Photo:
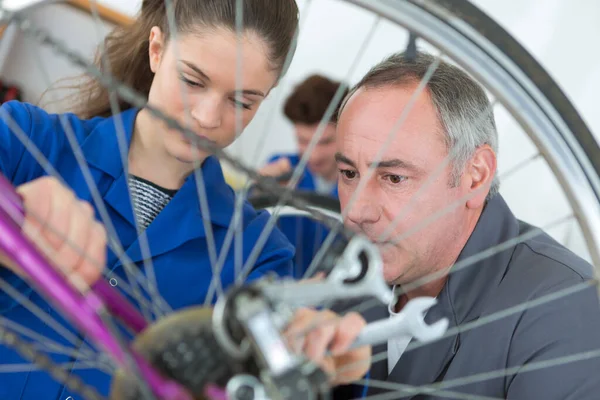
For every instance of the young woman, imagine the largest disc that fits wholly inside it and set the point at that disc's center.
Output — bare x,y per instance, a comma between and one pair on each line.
200,58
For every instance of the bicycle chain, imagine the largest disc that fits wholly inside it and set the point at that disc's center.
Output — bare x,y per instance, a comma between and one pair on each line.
29,352
138,100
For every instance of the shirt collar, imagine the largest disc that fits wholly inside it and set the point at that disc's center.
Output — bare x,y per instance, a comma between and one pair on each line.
103,148
108,139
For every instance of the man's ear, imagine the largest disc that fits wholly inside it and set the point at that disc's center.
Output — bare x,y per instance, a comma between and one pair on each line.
156,47
480,172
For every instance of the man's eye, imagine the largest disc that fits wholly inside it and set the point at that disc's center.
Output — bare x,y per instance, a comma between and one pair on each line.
348,174
395,179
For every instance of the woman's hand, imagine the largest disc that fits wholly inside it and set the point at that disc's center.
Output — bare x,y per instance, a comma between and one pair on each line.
64,229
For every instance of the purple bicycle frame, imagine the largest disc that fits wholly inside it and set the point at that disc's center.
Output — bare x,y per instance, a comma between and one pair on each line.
81,309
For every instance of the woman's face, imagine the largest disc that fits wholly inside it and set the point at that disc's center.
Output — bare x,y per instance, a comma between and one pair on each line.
195,83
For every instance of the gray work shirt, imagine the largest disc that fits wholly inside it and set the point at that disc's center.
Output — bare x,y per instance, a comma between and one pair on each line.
538,343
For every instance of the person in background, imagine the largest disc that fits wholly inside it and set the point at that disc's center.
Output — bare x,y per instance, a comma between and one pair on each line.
305,109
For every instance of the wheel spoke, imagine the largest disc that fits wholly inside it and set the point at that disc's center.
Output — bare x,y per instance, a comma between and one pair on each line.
198,174
399,389
235,237
379,155
270,119
79,365
471,261
48,344
6,288
229,237
298,171
430,180
97,198
151,284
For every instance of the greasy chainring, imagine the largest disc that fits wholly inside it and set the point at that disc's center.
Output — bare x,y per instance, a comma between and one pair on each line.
181,347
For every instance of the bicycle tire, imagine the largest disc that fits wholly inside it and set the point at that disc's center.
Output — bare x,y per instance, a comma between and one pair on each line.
508,45
452,13
462,16
458,13
568,145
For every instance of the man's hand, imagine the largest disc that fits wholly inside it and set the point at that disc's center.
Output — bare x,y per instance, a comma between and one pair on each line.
64,229
324,337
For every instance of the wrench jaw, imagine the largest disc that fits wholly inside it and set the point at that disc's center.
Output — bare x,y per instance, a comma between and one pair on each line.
355,272
360,269
434,332
247,321
410,323
419,329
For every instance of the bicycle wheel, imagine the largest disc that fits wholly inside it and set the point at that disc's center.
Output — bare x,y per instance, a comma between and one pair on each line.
461,32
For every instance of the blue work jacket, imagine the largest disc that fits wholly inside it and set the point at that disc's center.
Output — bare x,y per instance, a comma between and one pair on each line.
177,237
306,235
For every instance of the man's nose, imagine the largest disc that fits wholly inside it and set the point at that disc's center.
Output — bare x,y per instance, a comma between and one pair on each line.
363,207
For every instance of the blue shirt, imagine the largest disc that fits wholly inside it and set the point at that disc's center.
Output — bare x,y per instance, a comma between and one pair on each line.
177,237
305,234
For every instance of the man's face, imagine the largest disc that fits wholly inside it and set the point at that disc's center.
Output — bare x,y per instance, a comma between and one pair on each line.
321,160
415,155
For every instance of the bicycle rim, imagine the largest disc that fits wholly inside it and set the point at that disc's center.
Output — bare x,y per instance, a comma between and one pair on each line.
470,38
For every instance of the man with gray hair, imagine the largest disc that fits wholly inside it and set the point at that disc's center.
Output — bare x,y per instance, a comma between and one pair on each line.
432,203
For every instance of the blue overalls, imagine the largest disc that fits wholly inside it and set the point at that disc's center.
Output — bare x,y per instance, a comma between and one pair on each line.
177,238
305,234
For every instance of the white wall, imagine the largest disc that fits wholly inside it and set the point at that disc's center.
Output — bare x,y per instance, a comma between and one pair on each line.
22,62
557,32
129,7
